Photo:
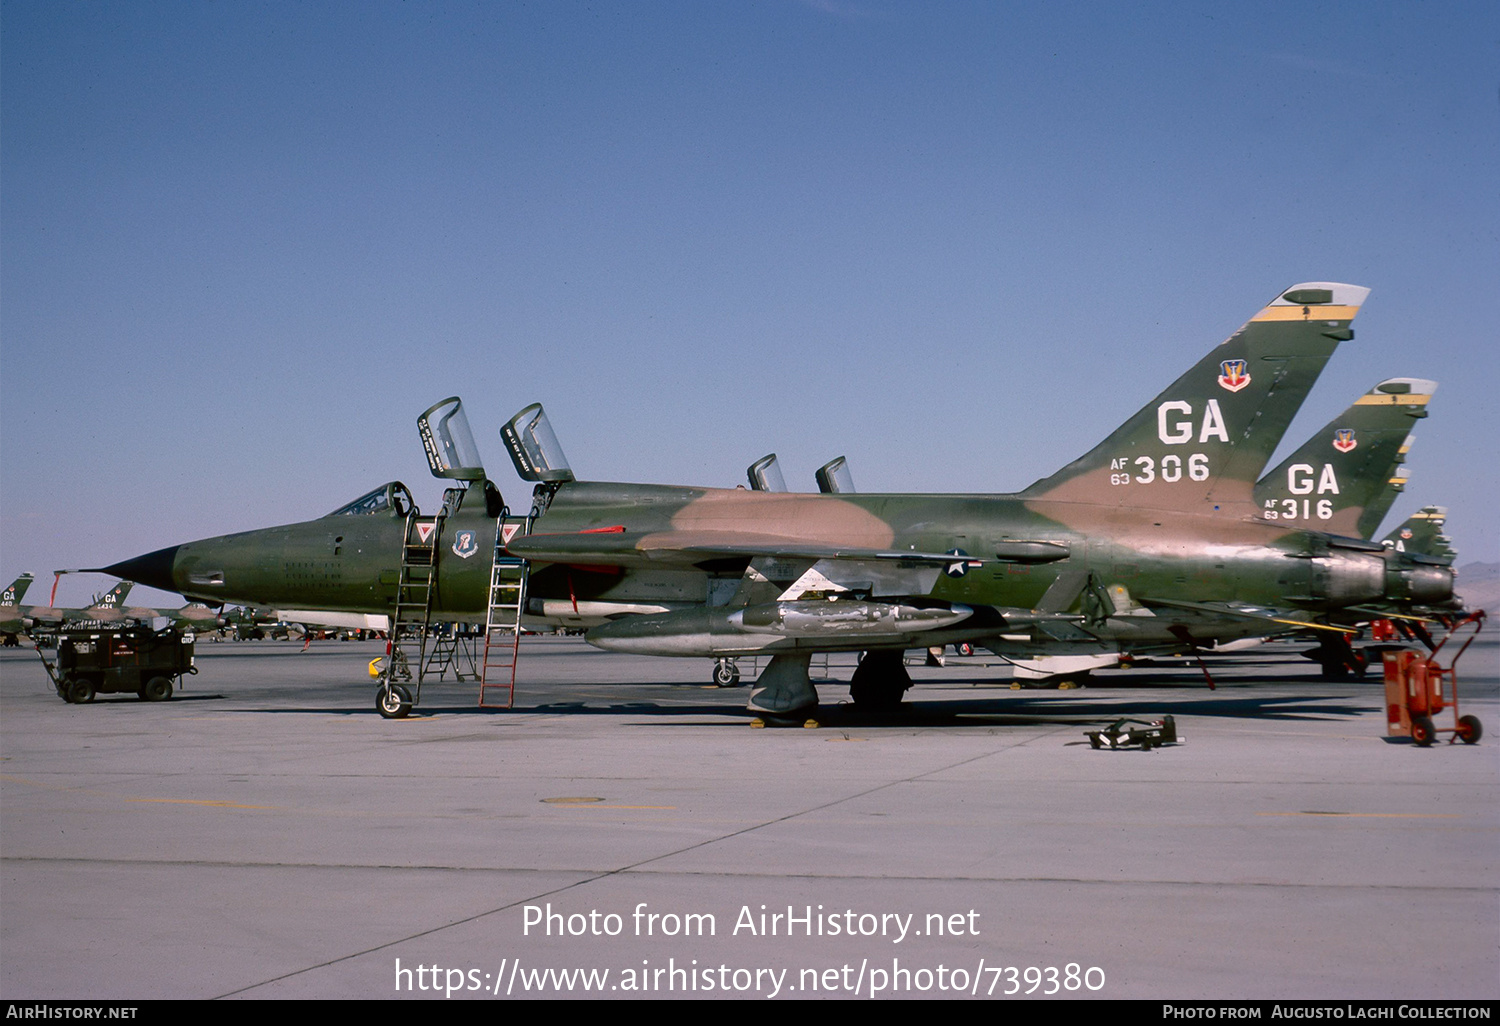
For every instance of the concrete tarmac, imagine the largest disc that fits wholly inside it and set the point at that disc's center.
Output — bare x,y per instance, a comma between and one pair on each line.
623,832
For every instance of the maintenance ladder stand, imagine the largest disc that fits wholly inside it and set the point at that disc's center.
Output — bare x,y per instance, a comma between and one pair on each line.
413,613
412,620
502,625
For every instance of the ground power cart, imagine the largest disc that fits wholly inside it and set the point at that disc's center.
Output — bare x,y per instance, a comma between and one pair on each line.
1418,687
120,661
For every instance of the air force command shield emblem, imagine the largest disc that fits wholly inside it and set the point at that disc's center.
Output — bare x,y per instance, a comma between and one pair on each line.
1233,375
1343,439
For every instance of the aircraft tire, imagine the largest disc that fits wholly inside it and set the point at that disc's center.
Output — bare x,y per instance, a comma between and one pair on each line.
1422,731
876,696
726,675
880,682
963,648
157,689
80,691
1335,671
393,703
1469,729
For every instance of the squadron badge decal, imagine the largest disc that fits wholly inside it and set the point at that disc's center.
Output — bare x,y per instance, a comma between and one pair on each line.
1343,439
465,544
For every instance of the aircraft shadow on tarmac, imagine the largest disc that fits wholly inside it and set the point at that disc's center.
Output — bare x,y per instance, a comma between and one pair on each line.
1009,709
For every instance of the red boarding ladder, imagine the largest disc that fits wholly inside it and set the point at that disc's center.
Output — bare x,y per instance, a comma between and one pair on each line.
502,625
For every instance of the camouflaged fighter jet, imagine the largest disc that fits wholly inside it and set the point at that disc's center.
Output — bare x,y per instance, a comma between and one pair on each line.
107,608
1340,481
111,610
1155,535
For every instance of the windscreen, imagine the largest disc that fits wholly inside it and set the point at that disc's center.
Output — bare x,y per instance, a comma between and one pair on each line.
374,501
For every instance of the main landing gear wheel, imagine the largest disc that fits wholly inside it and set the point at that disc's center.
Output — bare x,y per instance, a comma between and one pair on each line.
880,681
393,702
1422,730
726,674
1355,668
1469,729
1340,660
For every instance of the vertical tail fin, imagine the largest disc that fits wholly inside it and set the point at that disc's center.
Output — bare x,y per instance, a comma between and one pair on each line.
115,597
1339,481
1422,535
13,595
1201,444
1370,519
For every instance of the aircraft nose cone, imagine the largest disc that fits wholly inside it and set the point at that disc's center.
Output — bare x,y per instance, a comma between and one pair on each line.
154,569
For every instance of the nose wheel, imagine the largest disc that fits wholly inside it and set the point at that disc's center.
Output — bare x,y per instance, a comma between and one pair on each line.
393,701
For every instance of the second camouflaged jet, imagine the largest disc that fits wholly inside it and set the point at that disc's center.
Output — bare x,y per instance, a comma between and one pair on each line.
1154,534
1339,481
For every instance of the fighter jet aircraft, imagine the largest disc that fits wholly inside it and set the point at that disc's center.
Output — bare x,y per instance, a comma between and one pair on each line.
106,608
1154,535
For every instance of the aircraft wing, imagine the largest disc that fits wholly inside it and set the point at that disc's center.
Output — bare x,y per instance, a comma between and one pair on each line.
632,548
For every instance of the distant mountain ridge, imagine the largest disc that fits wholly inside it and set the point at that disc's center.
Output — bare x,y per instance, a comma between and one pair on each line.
1479,586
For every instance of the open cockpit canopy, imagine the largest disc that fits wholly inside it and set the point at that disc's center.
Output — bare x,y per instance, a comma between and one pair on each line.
449,443
534,448
765,475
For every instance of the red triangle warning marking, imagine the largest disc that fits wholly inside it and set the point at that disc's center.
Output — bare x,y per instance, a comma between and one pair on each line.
507,532
424,531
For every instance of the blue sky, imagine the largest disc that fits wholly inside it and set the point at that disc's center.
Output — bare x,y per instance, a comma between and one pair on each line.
242,245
